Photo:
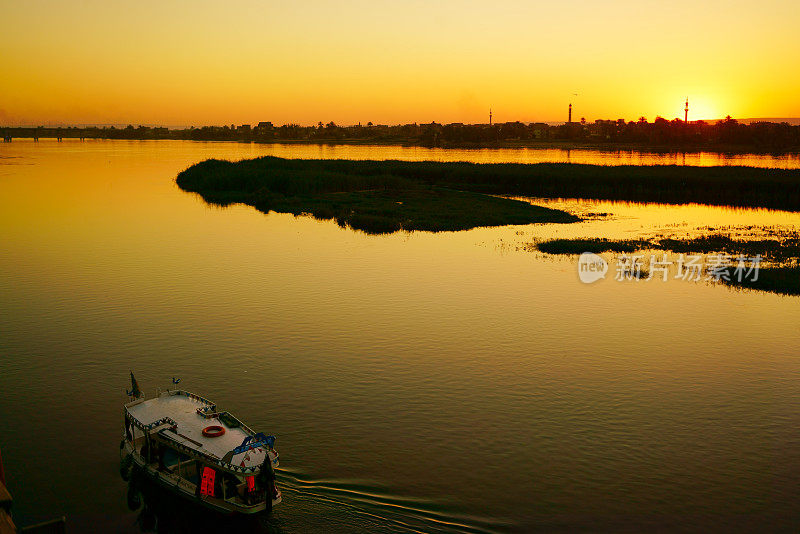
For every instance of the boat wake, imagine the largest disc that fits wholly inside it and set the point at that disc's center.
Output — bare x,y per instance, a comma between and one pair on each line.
399,513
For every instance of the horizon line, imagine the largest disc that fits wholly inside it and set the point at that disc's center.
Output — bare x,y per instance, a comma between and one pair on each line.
124,124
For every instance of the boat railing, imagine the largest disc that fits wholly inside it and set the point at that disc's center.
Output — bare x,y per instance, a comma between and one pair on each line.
195,397
149,426
226,466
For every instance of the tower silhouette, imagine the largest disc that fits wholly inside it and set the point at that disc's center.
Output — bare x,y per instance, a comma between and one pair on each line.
686,111
490,116
570,112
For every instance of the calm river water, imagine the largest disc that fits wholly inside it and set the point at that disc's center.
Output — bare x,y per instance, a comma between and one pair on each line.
451,382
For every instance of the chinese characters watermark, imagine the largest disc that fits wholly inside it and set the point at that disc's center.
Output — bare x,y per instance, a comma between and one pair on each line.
686,267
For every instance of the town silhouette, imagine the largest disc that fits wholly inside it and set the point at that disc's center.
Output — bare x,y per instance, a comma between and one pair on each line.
660,134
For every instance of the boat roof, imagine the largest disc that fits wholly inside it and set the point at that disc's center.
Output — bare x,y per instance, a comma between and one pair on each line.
179,410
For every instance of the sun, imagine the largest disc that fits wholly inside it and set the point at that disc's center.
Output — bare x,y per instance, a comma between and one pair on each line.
702,109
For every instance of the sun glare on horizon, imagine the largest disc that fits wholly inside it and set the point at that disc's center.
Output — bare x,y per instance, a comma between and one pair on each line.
701,108
392,64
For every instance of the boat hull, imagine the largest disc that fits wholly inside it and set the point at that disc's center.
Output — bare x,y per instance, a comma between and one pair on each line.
182,487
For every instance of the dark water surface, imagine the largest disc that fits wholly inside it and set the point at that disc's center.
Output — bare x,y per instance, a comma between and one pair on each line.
445,382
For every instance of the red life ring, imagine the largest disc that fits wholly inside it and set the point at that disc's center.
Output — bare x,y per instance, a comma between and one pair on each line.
213,431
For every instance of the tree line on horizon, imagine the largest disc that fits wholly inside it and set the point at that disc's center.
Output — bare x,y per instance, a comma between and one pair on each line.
727,133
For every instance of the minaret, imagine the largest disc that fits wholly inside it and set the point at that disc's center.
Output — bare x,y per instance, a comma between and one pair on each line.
686,111
490,116
570,112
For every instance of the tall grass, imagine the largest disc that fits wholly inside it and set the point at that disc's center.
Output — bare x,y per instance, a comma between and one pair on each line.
595,245
729,186
367,196
773,249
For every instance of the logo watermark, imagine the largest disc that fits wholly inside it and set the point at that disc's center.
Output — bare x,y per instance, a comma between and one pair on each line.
686,267
591,267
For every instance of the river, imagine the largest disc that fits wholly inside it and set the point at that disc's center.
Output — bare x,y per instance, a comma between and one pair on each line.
449,382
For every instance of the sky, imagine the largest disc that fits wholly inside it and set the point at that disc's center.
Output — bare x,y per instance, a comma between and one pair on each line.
241,62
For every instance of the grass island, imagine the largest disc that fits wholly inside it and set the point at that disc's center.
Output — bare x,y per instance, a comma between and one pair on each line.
386,196
372,196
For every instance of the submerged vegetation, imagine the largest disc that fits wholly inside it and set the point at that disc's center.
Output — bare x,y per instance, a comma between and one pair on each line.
769,249
595,245
782,276
782,280
366,196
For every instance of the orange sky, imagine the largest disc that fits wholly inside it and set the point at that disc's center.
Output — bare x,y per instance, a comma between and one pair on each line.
195,63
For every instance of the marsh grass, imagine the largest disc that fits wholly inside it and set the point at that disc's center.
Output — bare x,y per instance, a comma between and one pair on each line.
772,249
782,280
365,197
311,186
595,245
672,184
783,277
769,249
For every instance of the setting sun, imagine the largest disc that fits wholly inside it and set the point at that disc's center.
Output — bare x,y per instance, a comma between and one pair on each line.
700,109
185,63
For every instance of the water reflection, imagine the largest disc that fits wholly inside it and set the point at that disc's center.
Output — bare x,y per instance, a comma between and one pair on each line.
423,367
159,510
234,150
635,220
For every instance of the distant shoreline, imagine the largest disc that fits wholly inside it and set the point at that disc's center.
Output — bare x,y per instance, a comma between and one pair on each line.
533,145
724,137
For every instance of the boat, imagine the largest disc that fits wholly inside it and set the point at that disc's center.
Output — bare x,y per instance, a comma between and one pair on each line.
182,442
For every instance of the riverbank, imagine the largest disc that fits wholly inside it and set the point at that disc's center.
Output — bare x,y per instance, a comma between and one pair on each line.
723,136
550,144
728,149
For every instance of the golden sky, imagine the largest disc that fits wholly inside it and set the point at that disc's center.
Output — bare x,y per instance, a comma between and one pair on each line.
197,62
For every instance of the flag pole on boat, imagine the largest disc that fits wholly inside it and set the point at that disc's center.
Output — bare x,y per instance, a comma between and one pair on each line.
135,392
175,382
